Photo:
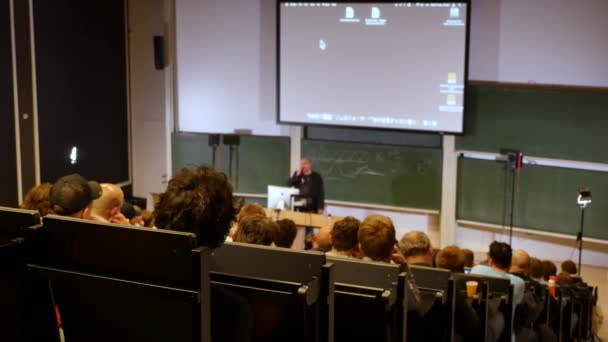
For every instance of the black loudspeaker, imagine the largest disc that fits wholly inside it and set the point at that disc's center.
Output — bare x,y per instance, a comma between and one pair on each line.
232,140
214,139
159,52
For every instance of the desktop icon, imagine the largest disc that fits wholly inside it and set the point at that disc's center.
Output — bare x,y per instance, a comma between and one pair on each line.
350,13
452,78
451,100
454,12
375,13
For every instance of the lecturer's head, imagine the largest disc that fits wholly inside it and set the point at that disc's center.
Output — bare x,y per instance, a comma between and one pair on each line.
306,165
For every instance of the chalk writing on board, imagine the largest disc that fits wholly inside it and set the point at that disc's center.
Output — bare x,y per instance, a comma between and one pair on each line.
344,165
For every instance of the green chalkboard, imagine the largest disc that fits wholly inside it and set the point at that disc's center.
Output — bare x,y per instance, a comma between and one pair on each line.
380,174
257,162
560,124
546,200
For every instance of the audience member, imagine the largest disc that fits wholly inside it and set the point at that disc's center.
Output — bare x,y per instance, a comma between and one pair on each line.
253,209
520,264
247,210
107,207
416,248
128,211
39,199
564,278
286,233
132,214
549,269
466,321
198,201
535,270
138,219
201,201
256,230
569,266
451,258
344,238
533,302
73,196
377,240
148,218
321,241
469,258
499,263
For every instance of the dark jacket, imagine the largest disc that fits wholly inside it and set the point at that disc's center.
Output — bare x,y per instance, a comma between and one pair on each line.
315,190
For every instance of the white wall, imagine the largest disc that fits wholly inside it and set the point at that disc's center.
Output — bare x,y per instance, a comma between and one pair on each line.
148,99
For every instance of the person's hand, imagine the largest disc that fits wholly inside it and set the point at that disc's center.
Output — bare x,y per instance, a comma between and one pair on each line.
119,218
396,256
299,172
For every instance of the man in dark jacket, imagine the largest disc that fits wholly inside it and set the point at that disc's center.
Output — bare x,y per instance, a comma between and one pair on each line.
310,184
311,187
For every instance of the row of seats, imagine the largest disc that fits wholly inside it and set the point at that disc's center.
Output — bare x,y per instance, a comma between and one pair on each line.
105,282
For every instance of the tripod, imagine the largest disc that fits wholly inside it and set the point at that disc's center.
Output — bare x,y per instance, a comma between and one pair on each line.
579,238
583,200
515,161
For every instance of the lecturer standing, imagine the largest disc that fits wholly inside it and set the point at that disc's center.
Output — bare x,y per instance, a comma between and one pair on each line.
310,184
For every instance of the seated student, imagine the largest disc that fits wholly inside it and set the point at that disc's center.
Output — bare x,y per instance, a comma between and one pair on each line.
132,214
469,258
499,262
377,241
201,201
256,230
535,270
73,196
321,241
247,210
533,302
38,199
416,248
466,320
520,263
549,269
286,233
344,238
451,258
148,218
107,207
569,267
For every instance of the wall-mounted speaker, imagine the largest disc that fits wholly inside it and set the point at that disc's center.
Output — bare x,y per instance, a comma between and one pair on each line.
159,52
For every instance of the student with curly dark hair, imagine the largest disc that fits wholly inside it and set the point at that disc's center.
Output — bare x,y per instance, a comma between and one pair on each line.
199,201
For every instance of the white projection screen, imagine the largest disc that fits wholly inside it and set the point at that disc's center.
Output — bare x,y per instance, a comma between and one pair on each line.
383,65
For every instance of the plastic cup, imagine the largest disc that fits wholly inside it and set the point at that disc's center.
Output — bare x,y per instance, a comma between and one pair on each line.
471,288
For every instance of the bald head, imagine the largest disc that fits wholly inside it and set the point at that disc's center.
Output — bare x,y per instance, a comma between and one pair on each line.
322,240
520,262
110,201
